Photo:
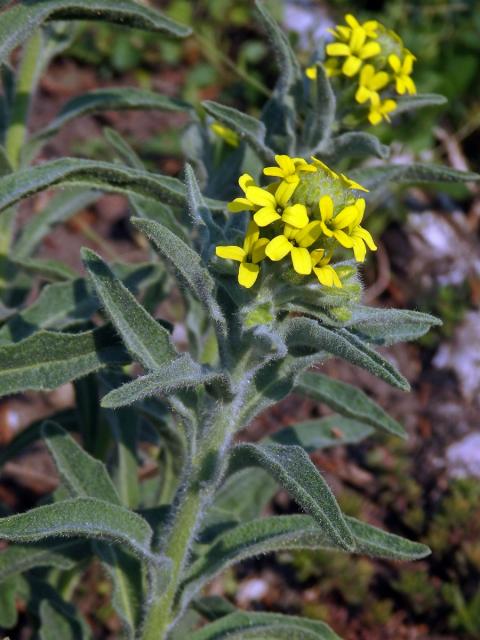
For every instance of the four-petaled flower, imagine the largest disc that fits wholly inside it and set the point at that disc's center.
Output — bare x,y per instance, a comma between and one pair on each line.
324,271
371,82
356,51
252,252
380,110
295,242
271,207
402,70
288,168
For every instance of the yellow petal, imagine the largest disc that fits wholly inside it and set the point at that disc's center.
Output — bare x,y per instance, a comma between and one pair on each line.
341,237
369,50
260,197
362,95
394,62
316,256
246,181
296,216
285,163
309,234
326,208
351,184
345,217
278,248
251,236
324,275
351,65
365,235
338,49
366,74
230,253
407,65
357,39
239,204
248,274
359,249
352,22
258,252
301,261
379,80
400,85
265,216
410,85
285,191
321,165
374,117
275,172
311,72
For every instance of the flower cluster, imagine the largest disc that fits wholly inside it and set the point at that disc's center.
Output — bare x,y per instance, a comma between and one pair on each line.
378,57
303,216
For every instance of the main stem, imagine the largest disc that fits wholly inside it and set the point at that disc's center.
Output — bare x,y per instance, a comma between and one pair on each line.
192,499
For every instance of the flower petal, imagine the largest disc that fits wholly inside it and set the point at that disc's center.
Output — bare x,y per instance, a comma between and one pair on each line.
260,197
369,50
359,249
231,252
285,191
326,208
324,275
394,62
311,72
342,238
246,181
248,274
366,237
301,261
309,234
265,216
240,204
278,248
317,255
345,217
357,39
258,252
275,172
379,80
251,236
351,65
338,49
296,215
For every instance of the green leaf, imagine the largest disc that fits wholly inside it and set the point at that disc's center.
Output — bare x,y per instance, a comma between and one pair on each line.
418,101
20,21
104,176
83,474
347,400
388,326
320,115
375,177
59,621
47,360
80,517
354,144
60,208
124,425
267,535
331,431
305,335
181,373
213,607
111,99
8,604
263,626
144,337
248,128
187,264
46,268
123,149
294,471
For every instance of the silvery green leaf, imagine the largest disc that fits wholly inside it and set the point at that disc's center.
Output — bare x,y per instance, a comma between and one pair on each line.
248,128
47,360
123,149
304,335
181,373
294,471
47,269
60,620
418,101
197,208
60,208
19,21
5,166
124,425
82,474
320,114
8,603
388,326
347,400
264,626
213,607
374,177
313,435
354,144
103,176
80,517
144,337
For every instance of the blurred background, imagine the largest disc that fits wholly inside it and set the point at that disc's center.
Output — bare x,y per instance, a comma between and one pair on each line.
427,488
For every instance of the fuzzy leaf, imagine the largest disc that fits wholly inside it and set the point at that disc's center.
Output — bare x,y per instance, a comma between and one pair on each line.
347,400
354,144
18,23
145,338
59,621
248,128
331,431
80,517
264,626
47,360
321,114
82,474
294,471
8,604
181,373
375,177
60,208
418,101
304,334
103,176
46,268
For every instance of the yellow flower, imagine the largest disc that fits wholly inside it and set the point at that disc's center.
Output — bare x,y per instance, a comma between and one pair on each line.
249,256
243,204
360,236
402,70
274,206
324,271
230,136
355,51
295,242
371,82
311,72
342,32
321,165
351,184
288,168
380,110
333,226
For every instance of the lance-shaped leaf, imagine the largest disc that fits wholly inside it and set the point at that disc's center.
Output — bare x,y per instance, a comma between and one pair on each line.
295,472
347,400
331,431
80,517
248,128
60,619
47,269
82,474
375,177
201,216
187,264
103,176
8,604
47,360
59,553
18,23
354,144
60,208
304,334
321,113
181,373
287,63
112,99
264,626
144,337
388,326
418,101
267,535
